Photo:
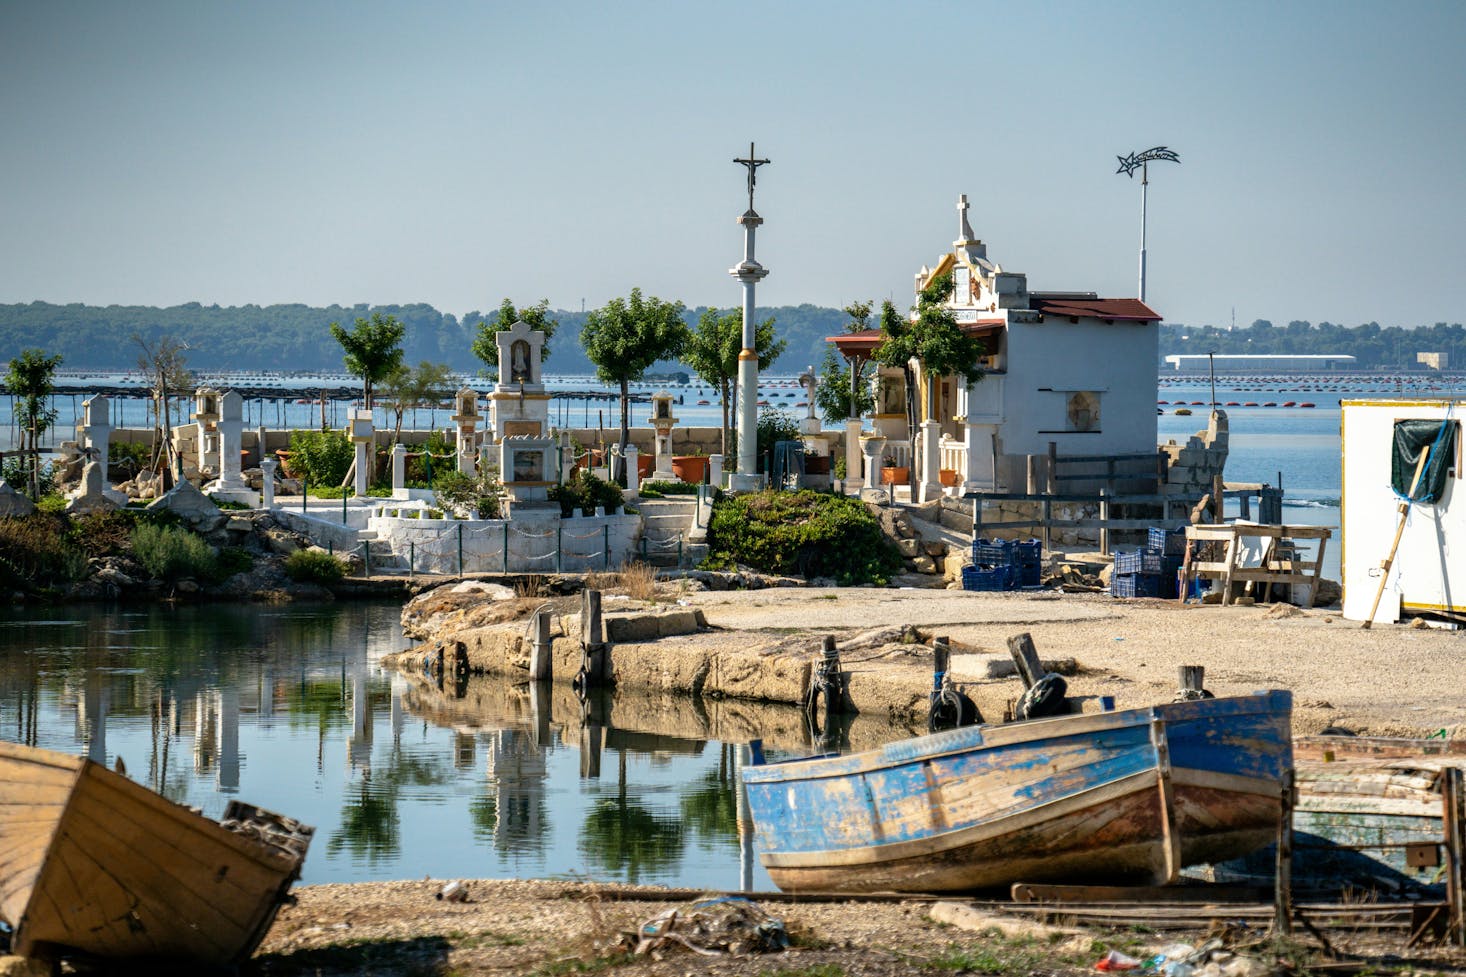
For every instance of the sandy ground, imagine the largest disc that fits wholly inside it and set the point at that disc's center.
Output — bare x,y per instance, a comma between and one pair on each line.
1388,680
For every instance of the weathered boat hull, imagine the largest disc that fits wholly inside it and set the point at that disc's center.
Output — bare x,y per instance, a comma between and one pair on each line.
94,865
1131,795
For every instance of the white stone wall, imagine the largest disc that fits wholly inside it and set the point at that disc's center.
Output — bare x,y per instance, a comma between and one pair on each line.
538,544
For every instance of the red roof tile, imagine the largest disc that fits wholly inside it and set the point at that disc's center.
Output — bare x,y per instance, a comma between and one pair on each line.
1118,310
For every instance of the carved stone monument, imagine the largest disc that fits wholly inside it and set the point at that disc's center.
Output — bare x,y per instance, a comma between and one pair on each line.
518,404
96,429
363,439
467,417
206,417
526,467
662,422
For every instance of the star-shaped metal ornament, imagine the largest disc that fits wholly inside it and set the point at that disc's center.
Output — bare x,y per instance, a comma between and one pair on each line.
1129,164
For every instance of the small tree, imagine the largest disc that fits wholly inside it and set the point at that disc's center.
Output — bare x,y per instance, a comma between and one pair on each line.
712,352
411,386
843,395
31,379
373,350
164,364
535,316
624,338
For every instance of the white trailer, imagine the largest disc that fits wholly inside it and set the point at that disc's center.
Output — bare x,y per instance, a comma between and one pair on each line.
1428,572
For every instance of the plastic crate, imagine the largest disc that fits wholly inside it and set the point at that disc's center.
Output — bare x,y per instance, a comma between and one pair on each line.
1028,552
1171,542
992,552
1027,575
987,578
1146,561
1143,585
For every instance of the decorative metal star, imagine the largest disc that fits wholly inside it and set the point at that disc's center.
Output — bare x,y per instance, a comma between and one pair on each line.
1129,164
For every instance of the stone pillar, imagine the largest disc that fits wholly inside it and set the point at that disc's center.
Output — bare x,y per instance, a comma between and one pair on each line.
874,449
854,468
467,418
97,430
749,273
363,436
262,444
267,483
931,460
633,476
662,423
399,468
231,442
206,417
715,471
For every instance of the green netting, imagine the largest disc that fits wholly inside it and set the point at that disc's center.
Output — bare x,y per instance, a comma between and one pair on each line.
1411,438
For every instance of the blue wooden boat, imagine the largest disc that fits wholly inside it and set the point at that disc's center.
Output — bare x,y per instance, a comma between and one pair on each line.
1117,796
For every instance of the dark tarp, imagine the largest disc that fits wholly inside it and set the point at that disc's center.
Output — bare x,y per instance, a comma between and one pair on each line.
1411,438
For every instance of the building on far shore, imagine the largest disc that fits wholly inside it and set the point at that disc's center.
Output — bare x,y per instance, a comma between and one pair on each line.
1434,361
1259,363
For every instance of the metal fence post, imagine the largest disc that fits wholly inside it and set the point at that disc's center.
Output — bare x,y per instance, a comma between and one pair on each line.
460,551
505,549
679,551
606,546
366,559
411,557
343,507
559,547
305,491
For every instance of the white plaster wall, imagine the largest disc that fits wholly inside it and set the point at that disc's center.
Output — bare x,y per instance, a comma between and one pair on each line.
433,544
1429,562
325,527
1116,359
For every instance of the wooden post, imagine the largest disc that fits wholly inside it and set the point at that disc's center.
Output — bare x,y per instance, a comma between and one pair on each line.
1104,515
1025,656
941,655
1453,804
1033,475
1048,513
595,652
1389,560
1053,473
1283,884
1219,498
540,660
1191,677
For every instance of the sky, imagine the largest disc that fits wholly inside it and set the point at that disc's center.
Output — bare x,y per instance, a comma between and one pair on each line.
158,153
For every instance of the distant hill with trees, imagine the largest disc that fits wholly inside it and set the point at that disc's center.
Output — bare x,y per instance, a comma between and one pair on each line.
297,337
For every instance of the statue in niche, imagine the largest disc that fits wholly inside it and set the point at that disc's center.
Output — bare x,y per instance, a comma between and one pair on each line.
519,361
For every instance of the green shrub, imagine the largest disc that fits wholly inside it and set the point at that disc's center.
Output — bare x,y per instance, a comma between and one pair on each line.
314,566
805,532
104,533
583,491
479,494
322,458
172,553
232,560
38,550
657,489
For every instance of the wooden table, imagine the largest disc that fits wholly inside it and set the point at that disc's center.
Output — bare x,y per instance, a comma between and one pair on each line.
1274,568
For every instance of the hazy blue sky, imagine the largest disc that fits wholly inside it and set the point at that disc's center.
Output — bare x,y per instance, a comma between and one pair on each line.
454,154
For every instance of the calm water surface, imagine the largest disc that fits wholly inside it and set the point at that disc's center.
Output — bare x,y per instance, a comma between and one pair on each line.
286,707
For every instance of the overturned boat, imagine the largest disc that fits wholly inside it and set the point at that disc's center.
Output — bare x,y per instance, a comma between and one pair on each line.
1133,795
93,865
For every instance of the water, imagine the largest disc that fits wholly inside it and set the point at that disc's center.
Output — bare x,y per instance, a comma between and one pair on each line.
286,707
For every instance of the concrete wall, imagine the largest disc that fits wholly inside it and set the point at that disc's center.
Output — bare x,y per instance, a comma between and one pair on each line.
322,528
533,541
1193,465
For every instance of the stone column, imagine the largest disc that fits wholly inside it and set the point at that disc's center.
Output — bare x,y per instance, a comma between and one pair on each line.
262,443
715,471
874,449
267,483
97,430
633,480
231,441
931,460
854,468
399,469
362,438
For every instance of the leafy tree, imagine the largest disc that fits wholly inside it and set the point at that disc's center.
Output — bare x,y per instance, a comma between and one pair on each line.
624,338
31,379
411,386
712,352
164,363
843,394
373,350
535,316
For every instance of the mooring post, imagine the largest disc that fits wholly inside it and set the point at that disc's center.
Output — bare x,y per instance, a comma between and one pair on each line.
1283,884
1191,679
1453,803
1025,656
540,660
595,653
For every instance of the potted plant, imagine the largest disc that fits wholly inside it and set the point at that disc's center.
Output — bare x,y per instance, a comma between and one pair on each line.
894,474
692,468
947,476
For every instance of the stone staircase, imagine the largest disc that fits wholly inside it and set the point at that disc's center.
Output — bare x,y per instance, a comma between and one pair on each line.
666,521
383,558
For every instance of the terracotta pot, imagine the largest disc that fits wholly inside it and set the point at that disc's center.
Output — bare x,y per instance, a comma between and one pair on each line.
947,476
692,469
895,475
645,465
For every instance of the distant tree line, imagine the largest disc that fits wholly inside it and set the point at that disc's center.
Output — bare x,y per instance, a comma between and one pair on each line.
1373,346
289,337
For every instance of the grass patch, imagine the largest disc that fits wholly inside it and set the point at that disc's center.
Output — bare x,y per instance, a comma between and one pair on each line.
1003,958
173,553
576,965
636,580
813,970
314,566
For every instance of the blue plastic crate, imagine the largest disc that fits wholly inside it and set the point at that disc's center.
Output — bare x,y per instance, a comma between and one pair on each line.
1028,552
987,578
1028,575
1146,561
992,552
1143,585
1171,542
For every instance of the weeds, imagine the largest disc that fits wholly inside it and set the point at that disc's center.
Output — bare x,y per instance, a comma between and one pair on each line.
635,579
173,553
531,585
314,566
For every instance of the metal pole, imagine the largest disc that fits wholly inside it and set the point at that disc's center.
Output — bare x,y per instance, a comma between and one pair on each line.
366,559
606,546
1211,367
305,491
559,547
343,507
460,551
1144,184
411,557
505,549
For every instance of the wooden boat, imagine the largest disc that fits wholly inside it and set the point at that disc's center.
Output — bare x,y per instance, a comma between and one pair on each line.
1115,796
93,865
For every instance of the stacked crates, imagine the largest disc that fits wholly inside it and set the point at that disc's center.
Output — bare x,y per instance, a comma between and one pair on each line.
1003,564
1150,571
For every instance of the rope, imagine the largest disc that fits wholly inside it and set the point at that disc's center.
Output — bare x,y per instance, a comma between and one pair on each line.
664,545
545,535
596,534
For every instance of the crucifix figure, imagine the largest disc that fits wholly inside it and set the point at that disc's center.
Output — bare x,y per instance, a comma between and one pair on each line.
753,164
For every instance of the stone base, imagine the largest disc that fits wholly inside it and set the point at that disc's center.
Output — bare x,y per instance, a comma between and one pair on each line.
740,482
878,496
244,495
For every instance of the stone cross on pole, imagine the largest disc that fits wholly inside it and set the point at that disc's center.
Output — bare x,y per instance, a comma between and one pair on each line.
748,272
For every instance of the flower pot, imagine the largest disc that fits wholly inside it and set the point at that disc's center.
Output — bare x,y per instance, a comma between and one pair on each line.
895,475
645,465
947,476
692,469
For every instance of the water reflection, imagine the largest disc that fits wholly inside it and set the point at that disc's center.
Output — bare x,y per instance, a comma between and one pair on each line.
286,707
